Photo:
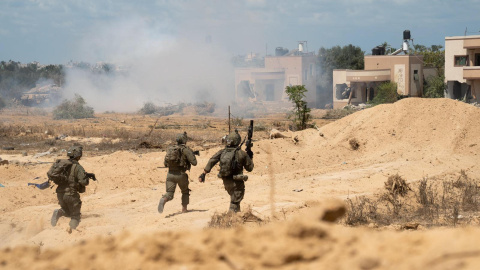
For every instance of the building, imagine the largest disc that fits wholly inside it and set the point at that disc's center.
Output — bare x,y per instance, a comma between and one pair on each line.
358,86
267,84
462,67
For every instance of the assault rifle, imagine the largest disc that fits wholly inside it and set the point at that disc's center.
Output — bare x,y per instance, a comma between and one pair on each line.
248,143
91,176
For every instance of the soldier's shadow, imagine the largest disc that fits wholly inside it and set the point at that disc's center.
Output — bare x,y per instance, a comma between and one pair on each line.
189,211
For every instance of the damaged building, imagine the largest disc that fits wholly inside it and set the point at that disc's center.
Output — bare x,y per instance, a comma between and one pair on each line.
285,68
462,67
359,86
45,95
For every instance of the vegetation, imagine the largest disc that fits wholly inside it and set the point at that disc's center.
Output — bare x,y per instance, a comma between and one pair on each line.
386,93
16,77
148,108
432,202
434,87
301,113
340,113
73,109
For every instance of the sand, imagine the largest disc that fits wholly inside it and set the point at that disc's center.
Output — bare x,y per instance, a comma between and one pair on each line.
121,228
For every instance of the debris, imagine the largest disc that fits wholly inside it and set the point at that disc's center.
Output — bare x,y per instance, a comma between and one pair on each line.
2,185
43,185
275,134
8,148
298,190
148,145
410,226
3,162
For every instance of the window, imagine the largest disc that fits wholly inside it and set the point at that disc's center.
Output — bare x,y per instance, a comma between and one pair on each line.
415,75
305,75
311,69
461,60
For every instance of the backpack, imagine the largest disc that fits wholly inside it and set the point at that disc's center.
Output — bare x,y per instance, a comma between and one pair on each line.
174,156
60,171
228,163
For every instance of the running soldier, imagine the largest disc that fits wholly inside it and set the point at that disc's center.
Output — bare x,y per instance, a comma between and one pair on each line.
71,179
179,159
232,162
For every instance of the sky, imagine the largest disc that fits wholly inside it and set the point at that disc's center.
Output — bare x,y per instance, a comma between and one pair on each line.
179,50
57,31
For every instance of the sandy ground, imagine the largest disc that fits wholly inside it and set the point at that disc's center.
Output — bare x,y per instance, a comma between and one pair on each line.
121,228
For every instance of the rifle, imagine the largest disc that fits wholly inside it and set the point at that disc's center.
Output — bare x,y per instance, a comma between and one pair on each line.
91,176
249,144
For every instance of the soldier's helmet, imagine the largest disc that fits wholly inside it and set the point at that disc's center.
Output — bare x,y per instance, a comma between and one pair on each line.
182,138
233,139
75,152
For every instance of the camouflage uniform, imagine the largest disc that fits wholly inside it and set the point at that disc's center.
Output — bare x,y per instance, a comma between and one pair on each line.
177,175
68,194
235,188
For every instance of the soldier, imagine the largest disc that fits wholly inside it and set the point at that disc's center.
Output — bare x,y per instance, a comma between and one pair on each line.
232,162
68,190
179,159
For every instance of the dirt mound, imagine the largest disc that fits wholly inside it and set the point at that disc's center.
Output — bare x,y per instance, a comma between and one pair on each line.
302,243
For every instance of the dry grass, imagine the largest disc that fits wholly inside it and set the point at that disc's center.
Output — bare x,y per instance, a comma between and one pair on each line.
451,201
231,220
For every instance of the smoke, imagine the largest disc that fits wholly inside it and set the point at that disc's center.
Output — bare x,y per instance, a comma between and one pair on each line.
151,66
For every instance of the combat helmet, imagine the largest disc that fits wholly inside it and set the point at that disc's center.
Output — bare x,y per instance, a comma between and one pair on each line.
75,152
233,139
182,138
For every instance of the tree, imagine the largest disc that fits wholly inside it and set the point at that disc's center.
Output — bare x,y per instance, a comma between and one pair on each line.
435,87
301,112
73,109
346,57
433,56
386,93
2,103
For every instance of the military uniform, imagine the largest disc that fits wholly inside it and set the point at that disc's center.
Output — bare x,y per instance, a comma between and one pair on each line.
235,188
68,194
177,175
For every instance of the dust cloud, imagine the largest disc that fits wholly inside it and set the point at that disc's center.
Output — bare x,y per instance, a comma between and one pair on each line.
150,66
182,54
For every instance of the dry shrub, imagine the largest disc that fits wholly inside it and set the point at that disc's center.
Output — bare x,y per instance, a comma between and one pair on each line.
204,108
396,185
451,201
339,113
361,211
354,143
231,219
237,121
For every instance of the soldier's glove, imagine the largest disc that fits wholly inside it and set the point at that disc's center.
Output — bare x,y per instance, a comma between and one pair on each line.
91,176
196,153
201,178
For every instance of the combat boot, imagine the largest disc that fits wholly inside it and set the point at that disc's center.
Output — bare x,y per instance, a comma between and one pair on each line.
161,204
184,209
73,224
55,216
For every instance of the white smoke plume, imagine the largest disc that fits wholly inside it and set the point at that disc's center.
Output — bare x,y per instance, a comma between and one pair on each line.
155,67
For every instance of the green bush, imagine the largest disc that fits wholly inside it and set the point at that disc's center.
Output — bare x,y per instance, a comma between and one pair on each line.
148,108
435,87
386,93
301,113
73,109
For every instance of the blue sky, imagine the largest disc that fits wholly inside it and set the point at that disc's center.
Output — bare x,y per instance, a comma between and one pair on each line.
56,31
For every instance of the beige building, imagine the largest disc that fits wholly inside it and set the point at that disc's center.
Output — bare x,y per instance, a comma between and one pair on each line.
462,67
358,86
280,71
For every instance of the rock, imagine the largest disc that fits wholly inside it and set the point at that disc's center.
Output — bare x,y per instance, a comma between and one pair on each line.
52,150
8,148
24,153
3,162
275,134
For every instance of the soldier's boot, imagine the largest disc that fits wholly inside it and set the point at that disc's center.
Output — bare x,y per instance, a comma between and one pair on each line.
184,209
55,216
73,224
161,204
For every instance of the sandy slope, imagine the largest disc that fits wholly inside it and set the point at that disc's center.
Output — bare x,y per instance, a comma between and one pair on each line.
412,137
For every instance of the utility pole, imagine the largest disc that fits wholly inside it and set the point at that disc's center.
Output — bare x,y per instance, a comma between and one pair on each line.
229,119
